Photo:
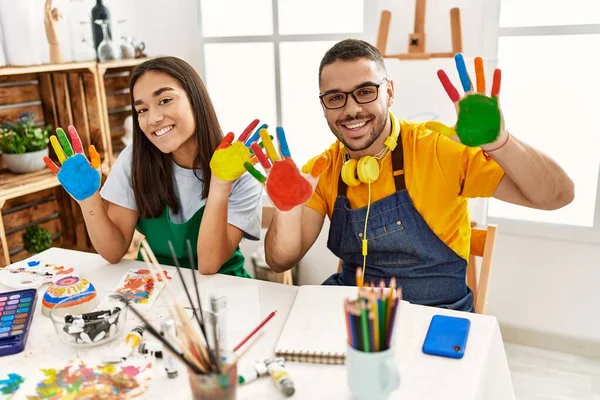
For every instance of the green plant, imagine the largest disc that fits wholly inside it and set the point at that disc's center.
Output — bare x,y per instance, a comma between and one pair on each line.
22,136
37,239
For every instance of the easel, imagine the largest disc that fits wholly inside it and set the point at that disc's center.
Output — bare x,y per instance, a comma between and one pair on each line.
417,39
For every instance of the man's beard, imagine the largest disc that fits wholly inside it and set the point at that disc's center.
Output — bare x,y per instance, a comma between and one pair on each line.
378,127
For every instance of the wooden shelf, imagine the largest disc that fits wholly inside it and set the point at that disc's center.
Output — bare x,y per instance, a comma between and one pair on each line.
131,62
14,185
36,69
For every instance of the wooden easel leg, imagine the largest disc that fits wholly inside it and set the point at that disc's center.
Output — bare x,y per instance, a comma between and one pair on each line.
384,31
455,28
416,40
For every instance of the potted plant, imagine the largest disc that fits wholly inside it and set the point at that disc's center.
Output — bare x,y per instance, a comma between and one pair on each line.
37,239
23,145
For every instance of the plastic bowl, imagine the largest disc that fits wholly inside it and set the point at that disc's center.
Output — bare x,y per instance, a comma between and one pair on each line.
100,325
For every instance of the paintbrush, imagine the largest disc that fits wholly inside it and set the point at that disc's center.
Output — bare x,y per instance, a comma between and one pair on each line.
211,355
192,262
176,261
193,269
187,334
164,341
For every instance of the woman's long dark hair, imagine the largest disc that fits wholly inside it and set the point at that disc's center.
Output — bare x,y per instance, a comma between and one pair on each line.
152,170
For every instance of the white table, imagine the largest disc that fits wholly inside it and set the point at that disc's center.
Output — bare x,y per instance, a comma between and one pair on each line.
481,374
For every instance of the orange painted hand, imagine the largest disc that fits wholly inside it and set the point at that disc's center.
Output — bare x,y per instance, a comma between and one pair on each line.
227,163
286,186
78,176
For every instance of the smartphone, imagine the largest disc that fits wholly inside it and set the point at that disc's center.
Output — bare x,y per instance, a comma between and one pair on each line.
447,336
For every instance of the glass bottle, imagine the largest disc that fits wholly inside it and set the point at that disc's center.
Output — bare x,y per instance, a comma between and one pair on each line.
100,12
107,49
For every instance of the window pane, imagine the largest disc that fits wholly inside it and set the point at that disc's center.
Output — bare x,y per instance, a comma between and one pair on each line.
237,98
548,100
548,13
306,128
236,17
318,16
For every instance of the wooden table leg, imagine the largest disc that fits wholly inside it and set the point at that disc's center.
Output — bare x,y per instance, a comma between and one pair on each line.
6,259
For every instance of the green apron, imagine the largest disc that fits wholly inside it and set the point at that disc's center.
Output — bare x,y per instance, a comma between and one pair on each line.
159,230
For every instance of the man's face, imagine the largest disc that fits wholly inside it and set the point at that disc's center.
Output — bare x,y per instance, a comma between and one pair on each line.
356,125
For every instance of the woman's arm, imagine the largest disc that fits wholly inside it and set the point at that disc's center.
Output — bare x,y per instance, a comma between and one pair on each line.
110,227
217,239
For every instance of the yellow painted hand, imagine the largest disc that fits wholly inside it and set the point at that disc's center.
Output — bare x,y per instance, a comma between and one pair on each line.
227,163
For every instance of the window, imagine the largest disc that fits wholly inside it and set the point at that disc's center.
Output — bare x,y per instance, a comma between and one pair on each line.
263,63
549,97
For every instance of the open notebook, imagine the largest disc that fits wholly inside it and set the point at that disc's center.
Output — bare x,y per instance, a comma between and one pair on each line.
315,330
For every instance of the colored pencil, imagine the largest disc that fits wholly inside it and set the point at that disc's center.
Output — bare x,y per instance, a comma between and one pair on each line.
372,345
364,323
236,348
390,332
348,324
376,332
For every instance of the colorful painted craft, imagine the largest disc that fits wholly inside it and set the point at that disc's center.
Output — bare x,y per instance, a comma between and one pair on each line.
227,163
80,178
66,287
285,185
140,287
479,120
32,275
9,385
86,381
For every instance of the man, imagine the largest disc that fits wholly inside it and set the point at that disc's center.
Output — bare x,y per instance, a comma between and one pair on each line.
412,218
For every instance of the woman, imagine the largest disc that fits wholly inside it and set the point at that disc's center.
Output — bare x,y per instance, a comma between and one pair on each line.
162,184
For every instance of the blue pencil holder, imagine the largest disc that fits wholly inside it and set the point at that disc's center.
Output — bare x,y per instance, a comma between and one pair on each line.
372,376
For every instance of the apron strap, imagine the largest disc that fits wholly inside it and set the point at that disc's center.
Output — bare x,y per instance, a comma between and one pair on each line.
397,167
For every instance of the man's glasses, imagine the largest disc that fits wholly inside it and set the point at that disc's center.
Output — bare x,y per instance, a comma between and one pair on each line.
362,95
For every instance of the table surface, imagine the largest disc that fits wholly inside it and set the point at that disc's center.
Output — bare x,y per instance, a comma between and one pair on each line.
481,374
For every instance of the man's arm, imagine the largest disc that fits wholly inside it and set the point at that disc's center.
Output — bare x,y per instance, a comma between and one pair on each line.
290,236
532,179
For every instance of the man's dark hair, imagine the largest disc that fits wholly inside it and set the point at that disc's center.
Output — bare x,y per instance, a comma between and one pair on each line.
351,50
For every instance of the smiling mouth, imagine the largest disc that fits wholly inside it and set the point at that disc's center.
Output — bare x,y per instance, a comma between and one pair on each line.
164,131
356,129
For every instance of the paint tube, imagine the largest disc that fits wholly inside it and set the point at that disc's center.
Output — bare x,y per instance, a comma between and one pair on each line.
277,370
132,340
169,332
252,372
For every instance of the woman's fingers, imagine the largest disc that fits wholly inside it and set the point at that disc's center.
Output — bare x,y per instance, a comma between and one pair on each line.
50,164
58,150
95,157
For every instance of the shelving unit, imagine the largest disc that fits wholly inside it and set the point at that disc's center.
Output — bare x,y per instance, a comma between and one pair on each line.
94,97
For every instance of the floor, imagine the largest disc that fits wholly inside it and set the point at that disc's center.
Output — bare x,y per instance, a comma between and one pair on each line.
542,374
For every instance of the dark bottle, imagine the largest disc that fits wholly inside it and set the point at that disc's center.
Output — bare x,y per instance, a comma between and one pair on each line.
99,12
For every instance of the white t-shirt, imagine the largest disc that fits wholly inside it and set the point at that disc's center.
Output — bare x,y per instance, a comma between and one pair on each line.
244,206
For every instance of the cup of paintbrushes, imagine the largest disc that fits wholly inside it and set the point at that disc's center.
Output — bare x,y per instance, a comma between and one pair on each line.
215,386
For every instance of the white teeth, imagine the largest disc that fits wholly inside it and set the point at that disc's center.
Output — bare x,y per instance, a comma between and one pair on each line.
163,130
356,126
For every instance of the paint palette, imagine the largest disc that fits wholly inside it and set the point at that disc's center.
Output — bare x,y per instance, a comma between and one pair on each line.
16,313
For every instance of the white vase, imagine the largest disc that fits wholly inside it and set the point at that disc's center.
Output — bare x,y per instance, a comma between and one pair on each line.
27,162
20,42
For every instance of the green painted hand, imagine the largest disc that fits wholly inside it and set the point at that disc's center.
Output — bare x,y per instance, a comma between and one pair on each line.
479,121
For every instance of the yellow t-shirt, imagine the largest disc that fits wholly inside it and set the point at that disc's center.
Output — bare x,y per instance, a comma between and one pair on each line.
440,176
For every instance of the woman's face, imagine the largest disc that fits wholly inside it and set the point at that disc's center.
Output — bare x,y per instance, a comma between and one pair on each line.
164,111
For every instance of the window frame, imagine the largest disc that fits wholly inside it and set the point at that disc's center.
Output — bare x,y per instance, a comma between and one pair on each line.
547,230
370,20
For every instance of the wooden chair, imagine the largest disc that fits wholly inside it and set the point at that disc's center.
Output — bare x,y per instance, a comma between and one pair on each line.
482,245
267,217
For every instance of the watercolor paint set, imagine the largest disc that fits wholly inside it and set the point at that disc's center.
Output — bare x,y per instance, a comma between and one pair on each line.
16,314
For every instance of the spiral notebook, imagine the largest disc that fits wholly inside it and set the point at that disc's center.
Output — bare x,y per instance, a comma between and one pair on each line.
315,330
